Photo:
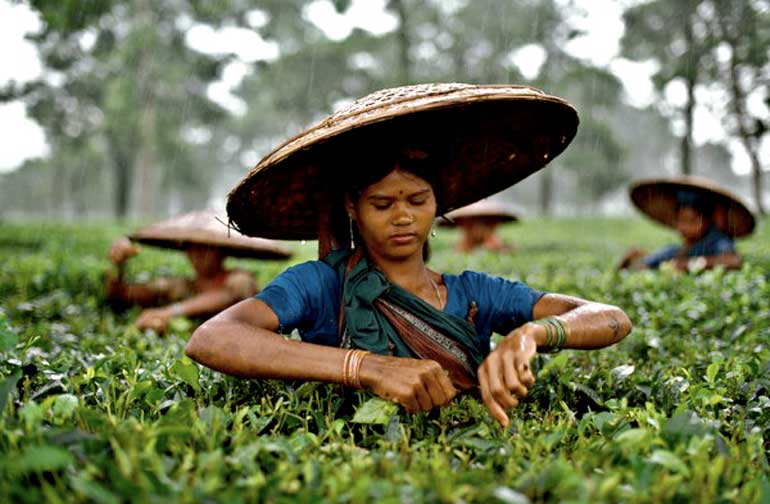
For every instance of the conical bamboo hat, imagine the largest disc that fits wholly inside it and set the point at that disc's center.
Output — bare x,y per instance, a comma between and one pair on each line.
204,227
658,199
487,209
493,137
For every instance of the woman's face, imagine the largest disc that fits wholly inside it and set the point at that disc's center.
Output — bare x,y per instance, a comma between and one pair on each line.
394,215
477,229
691,224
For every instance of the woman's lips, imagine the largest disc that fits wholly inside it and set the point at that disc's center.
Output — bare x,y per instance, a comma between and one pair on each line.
403,238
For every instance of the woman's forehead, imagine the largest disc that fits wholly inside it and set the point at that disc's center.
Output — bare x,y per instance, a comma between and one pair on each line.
398,182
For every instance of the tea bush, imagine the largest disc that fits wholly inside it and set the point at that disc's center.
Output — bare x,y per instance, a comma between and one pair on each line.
93,410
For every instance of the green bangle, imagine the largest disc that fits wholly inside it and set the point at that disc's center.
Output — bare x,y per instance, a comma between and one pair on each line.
553,327
549,333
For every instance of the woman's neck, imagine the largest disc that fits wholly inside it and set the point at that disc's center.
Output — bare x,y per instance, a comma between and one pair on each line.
210,274
410,274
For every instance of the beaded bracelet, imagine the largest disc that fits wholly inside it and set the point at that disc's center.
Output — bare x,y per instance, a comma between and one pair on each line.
351,367
556,333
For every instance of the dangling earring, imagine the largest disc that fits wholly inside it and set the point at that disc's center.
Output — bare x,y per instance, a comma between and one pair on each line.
352,240
432,232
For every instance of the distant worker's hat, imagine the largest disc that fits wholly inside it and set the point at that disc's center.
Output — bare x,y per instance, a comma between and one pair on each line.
661,198
204,227
487,209
488,137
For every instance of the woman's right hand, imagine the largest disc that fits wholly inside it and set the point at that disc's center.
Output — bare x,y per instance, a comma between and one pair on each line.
506,374
416,384
122,250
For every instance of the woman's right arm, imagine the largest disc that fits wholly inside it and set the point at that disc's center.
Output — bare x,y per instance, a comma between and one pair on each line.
242,341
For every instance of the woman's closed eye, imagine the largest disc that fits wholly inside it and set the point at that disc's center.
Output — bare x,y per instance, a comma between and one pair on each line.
381,204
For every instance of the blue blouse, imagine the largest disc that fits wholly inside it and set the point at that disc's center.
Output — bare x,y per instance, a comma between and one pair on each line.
306,297
714,243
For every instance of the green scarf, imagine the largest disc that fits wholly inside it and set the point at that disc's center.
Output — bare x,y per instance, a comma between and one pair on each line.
370,330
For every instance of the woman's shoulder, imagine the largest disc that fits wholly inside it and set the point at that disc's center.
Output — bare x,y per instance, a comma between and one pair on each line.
477,281
716,242
315,267
309,274
503,304
715,234
469,276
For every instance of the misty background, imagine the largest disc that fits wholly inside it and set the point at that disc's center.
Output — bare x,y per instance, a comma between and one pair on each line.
153,108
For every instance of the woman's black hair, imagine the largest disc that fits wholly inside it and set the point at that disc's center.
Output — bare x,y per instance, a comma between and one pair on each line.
415,161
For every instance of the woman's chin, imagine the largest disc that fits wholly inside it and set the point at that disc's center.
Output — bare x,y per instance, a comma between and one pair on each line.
402,252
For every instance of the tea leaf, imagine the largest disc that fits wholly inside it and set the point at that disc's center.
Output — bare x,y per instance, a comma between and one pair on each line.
375,411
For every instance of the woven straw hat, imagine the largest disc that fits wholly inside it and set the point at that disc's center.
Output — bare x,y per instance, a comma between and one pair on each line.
203,228
492,136
658,199
488,209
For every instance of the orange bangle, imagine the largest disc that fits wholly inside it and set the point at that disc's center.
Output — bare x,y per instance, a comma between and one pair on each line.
356,368
345,368
351,367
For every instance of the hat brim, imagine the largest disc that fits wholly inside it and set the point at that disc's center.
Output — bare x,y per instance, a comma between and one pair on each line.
491,211
657,198
203,229
497,136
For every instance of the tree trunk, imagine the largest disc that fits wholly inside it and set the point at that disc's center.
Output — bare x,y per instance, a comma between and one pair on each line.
58,195
756,180
737,104
124,173
689,109
404,64
148,161
748,140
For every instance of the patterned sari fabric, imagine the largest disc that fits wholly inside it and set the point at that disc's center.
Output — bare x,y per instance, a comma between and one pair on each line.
385,319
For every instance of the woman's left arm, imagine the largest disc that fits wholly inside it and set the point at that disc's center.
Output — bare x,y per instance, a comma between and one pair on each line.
588,324
506,374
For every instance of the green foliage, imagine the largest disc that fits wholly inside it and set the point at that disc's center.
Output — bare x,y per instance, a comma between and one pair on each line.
719,44
473,43
121,104
93,410
375,411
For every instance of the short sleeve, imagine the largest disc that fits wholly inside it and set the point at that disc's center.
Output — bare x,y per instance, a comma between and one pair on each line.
723,245
298,296
513,306
503,304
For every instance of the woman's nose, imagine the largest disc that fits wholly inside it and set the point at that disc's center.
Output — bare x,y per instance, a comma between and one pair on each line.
403,218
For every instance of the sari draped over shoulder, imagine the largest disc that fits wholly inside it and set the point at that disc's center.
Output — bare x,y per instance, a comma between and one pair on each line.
383,318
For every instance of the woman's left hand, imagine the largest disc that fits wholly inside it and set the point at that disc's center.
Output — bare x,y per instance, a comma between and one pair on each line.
506,373
154,318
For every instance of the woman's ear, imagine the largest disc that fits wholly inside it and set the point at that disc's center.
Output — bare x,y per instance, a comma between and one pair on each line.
350,208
